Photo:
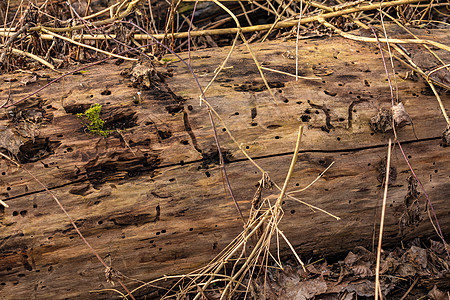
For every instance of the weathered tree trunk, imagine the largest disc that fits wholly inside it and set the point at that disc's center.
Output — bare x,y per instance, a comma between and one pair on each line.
150,198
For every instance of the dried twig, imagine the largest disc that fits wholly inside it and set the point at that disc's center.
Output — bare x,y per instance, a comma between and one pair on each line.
35,57
11,40
87,46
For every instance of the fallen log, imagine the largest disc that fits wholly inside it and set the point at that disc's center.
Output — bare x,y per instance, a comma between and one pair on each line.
150,196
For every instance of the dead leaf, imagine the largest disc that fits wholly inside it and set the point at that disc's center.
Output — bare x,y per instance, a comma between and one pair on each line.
401,117
417,256
446,137
303,290
436,294
349,296
389,264
437,247
366,288
362,288
406,269
350,259
382,121
9,141
362,269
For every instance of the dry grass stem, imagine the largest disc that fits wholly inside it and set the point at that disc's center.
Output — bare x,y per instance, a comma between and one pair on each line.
263,225
241,148
374,40
101,12
292,249
4,203
281,24
413,65
383,212
221,67
314,181
35,57
276,21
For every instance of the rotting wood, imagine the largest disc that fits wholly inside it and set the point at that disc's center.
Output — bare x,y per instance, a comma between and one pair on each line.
164,210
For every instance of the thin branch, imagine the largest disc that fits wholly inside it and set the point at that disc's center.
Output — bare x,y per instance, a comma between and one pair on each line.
35,57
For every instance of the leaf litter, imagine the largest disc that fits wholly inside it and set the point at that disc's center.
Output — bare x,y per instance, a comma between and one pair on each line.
422,266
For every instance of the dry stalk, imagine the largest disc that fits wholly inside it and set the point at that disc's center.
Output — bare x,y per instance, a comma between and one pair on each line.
245,13
427,76
437,227
220,68
400,41
282,24
99,13
374,40
409,31
118,16
35,57
11,40
383,212
288,24
265,222
4,203
296,40
276,21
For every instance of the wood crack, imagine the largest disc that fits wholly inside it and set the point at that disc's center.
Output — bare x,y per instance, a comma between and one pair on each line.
162,167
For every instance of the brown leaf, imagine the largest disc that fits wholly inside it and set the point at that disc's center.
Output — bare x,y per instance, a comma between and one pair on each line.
362,269
363,288
417,256
366,288
446,137
436,294
351,258
406,269
390,263
382,121
303,290
437,247
401,117
9,141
